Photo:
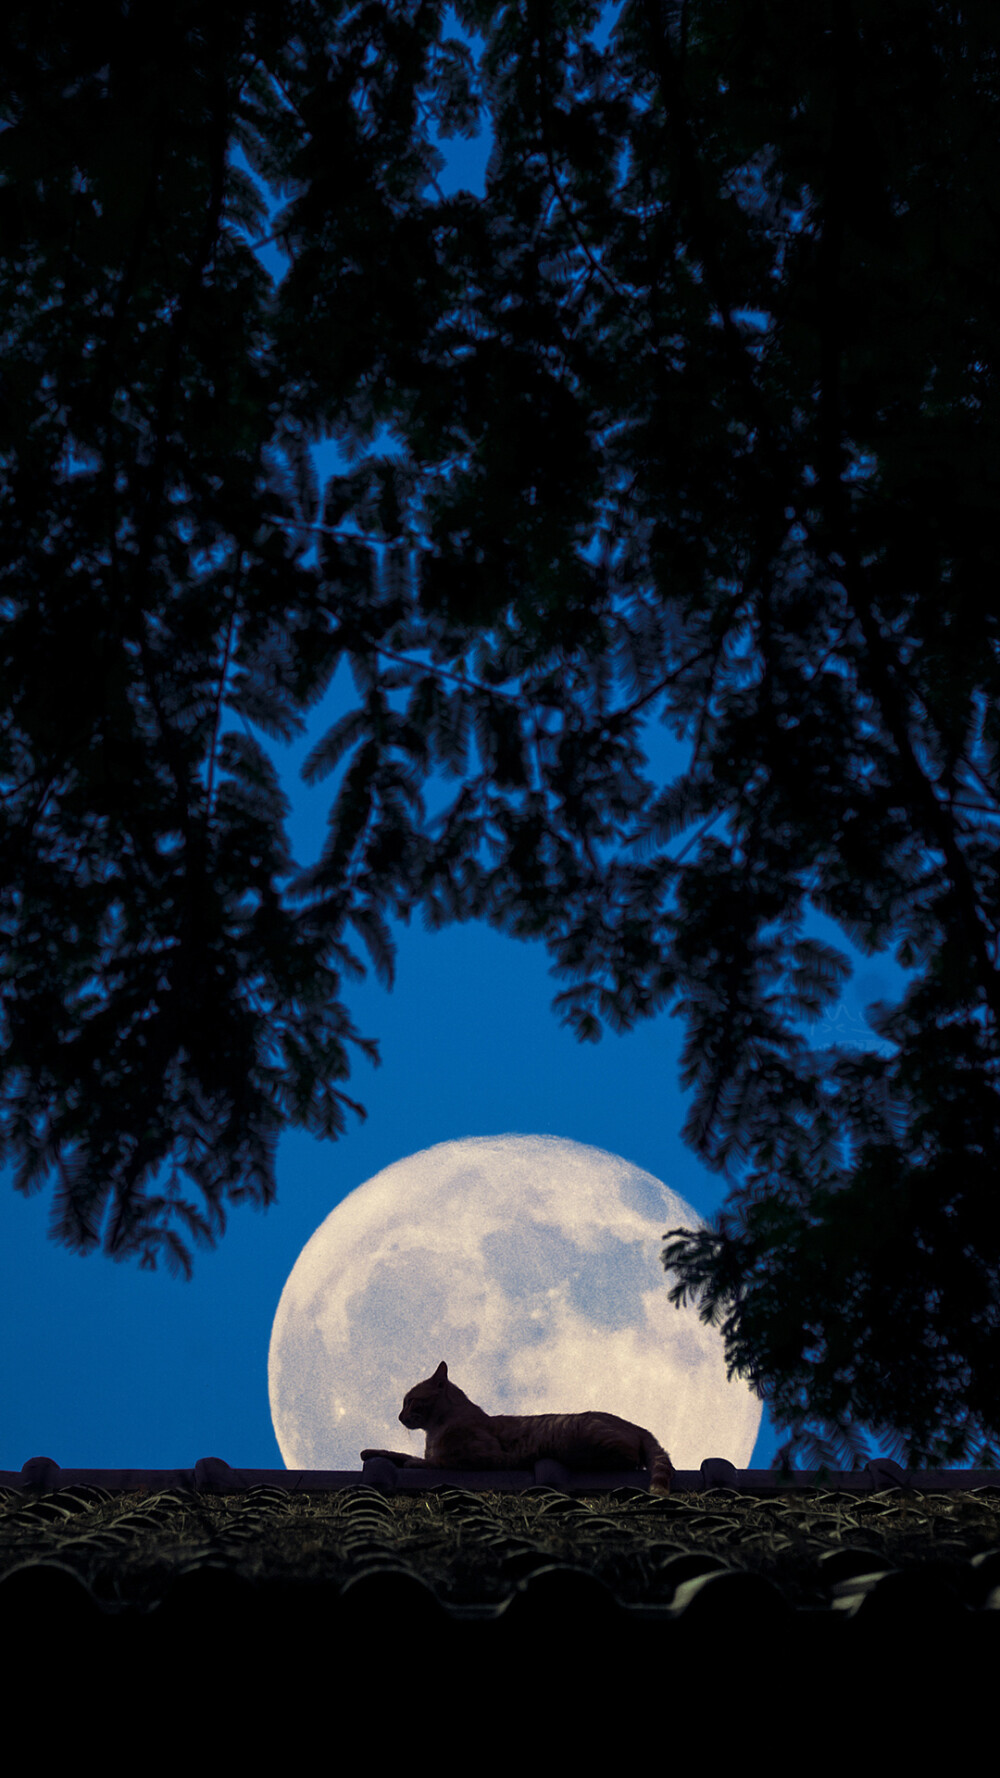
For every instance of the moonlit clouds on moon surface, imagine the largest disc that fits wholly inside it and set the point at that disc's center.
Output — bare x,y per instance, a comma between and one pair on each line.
531,1264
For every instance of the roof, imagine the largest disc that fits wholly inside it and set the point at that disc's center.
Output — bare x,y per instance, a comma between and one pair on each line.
878,1543
706,1600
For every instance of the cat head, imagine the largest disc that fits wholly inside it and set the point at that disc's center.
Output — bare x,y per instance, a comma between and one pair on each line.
420,1401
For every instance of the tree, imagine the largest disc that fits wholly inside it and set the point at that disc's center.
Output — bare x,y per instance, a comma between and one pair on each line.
694,416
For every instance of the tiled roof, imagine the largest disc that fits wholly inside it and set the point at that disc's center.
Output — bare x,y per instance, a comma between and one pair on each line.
552,1618
420,1547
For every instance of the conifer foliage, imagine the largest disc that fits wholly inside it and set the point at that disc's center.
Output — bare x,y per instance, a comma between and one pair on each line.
692,420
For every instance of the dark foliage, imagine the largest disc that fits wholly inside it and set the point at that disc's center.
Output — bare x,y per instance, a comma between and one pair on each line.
695,422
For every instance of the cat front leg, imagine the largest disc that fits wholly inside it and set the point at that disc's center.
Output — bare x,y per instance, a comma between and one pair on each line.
402,1459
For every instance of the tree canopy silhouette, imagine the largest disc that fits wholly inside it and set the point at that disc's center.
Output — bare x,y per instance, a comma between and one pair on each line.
693,419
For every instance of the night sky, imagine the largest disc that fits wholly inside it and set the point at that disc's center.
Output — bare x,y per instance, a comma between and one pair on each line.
107,1366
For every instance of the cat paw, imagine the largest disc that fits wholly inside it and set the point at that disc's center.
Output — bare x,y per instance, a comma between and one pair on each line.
397,1457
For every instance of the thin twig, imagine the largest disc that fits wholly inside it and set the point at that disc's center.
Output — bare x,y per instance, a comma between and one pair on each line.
227,651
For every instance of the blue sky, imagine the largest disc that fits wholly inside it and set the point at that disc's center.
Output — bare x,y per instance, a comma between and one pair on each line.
107,1366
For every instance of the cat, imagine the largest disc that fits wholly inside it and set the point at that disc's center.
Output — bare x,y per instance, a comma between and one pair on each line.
462,1436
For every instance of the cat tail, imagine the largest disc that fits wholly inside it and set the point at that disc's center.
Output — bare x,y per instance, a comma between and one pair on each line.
655,1459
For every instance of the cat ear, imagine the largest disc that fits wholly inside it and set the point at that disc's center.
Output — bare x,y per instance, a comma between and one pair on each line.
441,1374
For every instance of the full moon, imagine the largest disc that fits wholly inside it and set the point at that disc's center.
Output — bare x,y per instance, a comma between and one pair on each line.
531,1265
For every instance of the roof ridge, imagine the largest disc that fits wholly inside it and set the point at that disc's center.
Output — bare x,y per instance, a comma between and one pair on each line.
213,1475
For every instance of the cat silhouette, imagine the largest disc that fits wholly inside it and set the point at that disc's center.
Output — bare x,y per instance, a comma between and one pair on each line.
461,1435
